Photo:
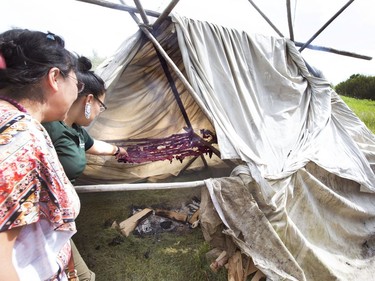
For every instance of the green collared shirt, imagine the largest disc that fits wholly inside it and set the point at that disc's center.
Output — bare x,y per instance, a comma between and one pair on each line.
71,144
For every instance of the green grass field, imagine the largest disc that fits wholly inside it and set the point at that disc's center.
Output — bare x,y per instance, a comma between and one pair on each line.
364,109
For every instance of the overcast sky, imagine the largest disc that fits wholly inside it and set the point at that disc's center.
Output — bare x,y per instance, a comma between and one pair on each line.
89,28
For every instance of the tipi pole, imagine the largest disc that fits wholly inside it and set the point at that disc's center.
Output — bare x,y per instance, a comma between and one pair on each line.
161,59
164,15
325,25
330,50
141,11
121,7
146,31
290,23
133,10
173,66
266,18
174,89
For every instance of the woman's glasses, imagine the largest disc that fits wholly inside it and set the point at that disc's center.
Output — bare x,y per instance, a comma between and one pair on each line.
102,105
80,85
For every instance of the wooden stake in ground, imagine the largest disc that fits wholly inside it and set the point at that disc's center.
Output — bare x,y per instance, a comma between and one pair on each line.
128,225
239,268
220,261
235,268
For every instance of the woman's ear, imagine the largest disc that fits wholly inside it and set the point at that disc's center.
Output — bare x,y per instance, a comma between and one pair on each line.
89,98
53,73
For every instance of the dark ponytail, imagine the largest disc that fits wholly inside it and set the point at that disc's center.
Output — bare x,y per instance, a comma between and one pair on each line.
93,83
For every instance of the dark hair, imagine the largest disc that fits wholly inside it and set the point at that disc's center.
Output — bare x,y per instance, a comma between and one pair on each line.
93,83
28,56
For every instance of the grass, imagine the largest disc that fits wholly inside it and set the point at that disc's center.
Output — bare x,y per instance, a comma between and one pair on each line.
364,109
167,256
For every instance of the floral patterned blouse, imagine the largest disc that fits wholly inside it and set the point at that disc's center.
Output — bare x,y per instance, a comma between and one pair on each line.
35,194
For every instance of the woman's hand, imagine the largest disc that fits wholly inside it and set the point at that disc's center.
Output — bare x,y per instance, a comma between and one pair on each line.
121,153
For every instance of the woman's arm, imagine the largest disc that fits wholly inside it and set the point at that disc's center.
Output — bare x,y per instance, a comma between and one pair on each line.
7,240
104,148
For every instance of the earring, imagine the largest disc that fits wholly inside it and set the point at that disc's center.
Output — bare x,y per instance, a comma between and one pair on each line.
87,110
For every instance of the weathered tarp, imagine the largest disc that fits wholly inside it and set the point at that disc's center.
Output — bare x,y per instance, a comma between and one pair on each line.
302,205
267,107
141,104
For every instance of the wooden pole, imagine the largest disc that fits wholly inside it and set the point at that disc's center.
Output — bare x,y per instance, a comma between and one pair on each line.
137,186
266,18
290,23
325,25
121,7
331,50
133,10
164,15
170,62
141,11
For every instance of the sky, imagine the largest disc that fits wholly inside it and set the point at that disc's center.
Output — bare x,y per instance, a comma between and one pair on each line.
89,28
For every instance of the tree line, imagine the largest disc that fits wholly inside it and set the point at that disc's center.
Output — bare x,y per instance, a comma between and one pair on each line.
357,86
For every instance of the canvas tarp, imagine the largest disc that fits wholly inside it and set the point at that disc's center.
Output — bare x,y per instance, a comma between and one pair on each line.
302,206
141,105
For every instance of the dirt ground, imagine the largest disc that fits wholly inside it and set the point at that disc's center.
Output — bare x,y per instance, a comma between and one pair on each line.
173,253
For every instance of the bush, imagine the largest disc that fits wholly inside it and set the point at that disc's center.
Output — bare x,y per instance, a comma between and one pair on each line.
357,86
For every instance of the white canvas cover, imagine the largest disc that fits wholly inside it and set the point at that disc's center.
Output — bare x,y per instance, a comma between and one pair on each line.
302,205
141,105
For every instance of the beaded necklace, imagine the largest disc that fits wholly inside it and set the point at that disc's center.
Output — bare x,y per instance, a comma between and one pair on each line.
14,103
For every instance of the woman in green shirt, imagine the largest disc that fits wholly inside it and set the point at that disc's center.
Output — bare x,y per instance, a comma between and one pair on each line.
72,141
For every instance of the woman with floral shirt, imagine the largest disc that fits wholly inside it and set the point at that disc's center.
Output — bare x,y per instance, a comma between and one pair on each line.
38,204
